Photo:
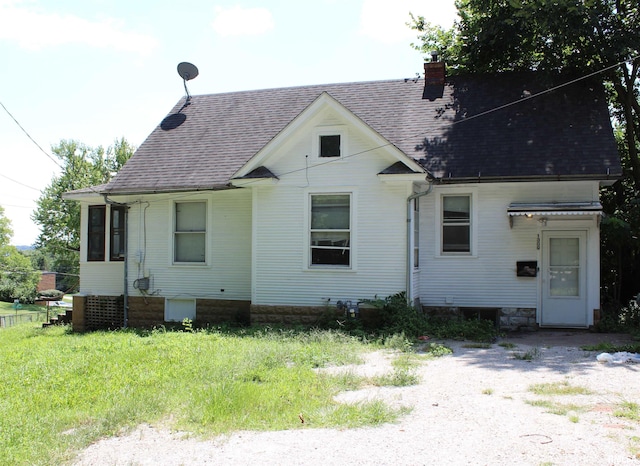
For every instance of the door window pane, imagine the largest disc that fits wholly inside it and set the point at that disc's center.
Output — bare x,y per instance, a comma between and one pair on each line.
564,268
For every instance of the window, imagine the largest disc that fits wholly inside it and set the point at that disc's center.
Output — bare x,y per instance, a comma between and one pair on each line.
190,231
117,233
330,145
416,233
95,233
456,224
331,229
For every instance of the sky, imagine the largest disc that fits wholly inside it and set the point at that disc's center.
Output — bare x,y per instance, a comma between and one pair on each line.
95,71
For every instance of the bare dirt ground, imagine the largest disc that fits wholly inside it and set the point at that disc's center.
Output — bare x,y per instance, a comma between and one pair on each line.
473,408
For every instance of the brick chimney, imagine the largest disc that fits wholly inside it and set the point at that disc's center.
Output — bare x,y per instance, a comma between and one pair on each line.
434,71
434,76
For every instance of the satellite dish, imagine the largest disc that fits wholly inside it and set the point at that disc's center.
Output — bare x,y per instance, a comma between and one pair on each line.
187,71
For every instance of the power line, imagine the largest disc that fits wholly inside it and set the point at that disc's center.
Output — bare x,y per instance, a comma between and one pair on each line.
29,136
15,206
18,182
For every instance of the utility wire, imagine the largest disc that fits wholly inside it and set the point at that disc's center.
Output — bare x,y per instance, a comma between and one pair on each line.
29,136
18,182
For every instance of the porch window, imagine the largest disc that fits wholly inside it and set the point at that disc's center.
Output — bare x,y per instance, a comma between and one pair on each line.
95,233
456,224
330,230
117,233
190,232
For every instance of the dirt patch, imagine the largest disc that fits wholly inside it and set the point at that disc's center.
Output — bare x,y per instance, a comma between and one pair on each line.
474,407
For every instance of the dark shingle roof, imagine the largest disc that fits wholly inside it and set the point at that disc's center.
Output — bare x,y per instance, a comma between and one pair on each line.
565,133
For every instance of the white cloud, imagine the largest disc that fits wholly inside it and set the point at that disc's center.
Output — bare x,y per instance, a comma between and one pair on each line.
385,21
36,30
238,21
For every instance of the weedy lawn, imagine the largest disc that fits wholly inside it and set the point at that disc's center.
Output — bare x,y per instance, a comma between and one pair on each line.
60,391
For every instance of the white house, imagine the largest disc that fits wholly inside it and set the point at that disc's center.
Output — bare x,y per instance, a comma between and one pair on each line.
474,195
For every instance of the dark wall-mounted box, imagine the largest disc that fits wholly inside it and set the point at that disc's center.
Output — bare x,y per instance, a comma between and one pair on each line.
527,268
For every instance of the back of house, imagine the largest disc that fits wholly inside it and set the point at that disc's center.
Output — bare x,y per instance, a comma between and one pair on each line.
475,196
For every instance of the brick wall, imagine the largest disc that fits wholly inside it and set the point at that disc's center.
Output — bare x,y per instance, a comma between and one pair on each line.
47,281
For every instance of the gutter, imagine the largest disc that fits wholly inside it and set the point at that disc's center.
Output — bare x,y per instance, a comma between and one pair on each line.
409,262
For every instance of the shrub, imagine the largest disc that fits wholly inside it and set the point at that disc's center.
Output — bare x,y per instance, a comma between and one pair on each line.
55,294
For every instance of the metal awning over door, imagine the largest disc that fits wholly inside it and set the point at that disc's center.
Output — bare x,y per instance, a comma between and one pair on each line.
544,209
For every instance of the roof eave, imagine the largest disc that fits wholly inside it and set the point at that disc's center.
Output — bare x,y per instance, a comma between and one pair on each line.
602,178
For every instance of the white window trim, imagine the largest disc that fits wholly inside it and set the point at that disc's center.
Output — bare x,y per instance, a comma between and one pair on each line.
172,226
473,227
329,131
307,266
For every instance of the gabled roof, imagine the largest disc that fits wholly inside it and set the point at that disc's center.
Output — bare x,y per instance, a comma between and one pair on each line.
468,133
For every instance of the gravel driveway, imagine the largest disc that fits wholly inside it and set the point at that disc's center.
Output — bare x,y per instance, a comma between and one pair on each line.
473,408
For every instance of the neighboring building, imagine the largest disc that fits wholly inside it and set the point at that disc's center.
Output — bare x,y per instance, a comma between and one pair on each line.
47,281
478,195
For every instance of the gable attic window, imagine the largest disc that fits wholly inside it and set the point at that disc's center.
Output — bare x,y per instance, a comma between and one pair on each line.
456,224
330,145
95,233
189,234
330,230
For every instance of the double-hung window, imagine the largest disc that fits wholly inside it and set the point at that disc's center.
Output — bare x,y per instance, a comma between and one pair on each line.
189,232
456,224
117,233
95,233
330,230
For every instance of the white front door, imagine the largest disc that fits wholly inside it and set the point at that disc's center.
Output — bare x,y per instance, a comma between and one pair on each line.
564,293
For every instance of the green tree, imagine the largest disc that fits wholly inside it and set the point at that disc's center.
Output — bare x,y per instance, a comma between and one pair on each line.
59,219
18,279
577,38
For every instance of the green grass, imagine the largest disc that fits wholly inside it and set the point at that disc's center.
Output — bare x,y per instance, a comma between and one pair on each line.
61,391
558,388
628,410
533,353
560,409
606,347
7,308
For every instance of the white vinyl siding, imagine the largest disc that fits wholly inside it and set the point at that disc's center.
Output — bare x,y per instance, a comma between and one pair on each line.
227,274
282,269
488,277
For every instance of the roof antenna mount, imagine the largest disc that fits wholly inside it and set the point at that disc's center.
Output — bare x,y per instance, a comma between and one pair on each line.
187,72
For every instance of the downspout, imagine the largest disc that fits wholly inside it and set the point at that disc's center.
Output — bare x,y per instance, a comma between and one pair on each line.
125,299
409,277
125,294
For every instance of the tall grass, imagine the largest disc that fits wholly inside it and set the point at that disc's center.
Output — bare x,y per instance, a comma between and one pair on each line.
60,391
